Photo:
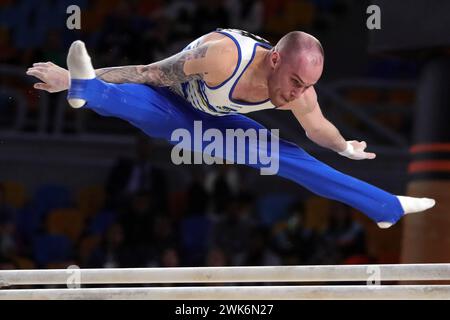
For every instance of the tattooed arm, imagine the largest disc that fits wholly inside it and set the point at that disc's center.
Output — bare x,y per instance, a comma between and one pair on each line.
184,66
209,60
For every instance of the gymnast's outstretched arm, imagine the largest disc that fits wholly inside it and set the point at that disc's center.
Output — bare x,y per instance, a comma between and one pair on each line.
321,131
209,60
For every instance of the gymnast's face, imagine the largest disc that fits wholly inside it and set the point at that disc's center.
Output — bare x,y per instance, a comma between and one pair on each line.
291,75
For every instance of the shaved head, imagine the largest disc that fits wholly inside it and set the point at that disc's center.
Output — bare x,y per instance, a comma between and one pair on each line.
297,44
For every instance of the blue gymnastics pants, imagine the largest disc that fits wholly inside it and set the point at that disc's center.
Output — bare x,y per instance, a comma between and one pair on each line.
158,112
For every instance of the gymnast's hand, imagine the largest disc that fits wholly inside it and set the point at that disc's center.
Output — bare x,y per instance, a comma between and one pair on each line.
355,151
53,77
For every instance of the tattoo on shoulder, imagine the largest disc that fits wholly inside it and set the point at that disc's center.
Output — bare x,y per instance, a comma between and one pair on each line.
162,73
171,70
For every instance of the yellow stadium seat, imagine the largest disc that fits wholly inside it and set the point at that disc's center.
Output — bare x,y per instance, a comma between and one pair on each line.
24,263
68,222
15,194
87,245
317,213
91,200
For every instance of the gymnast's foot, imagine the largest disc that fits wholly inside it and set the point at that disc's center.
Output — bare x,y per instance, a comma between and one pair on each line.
80,67
411,205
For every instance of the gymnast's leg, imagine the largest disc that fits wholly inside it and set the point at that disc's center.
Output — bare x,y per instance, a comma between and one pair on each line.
297,165
158,113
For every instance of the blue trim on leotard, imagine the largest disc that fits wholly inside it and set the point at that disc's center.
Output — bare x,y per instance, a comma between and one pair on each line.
230,95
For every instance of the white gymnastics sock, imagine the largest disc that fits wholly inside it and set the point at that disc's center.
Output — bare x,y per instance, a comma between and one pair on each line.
80,67
411,205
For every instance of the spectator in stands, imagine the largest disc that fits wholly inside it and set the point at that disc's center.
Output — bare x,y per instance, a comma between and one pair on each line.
222,183
259,252
217,257
6,211
246,14
292,240
117,40
112,252
180,14
53,49
8,243
210,14
137,222
197,197
138,174
172,28
6,264
195,225
232,232
344,235
165,235
170,258
8,53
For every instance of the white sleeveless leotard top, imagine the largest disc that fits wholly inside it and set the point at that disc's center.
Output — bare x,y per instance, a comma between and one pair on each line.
218,100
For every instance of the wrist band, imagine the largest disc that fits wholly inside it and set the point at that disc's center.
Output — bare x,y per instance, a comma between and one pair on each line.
348,151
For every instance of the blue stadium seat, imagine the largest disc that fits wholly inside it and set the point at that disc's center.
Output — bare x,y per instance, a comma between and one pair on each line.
52,249
273,207
101,222
49,197
194,233
27,222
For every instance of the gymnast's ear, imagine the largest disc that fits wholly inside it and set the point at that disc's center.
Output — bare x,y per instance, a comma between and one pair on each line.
274,59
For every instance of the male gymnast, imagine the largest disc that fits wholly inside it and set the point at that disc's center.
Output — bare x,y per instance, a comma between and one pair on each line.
216,79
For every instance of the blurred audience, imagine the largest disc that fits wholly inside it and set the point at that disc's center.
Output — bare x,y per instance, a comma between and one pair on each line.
344,238
8,241
222,183
112,252
217,258
232,231
259,251
138,174
139,235
137,221
170,258
165,235
209,15
295,243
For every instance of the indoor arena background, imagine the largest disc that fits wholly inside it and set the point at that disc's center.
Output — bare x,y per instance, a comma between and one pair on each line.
67,192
